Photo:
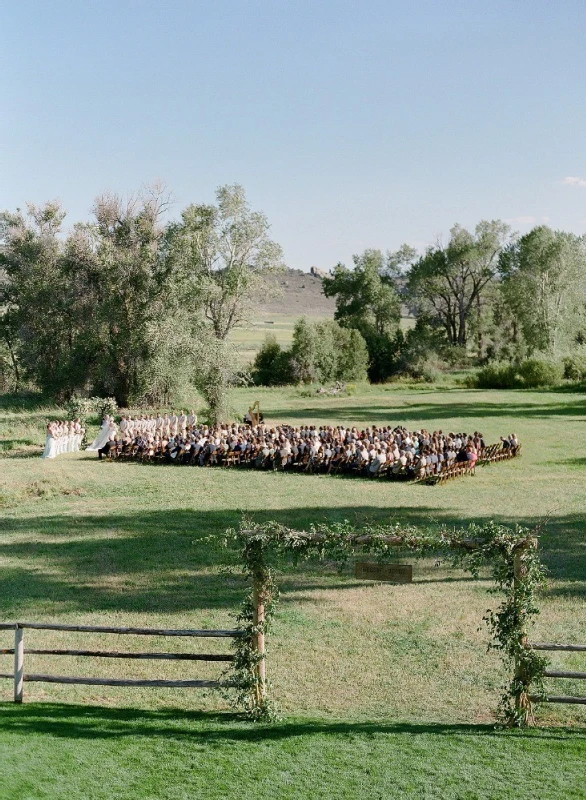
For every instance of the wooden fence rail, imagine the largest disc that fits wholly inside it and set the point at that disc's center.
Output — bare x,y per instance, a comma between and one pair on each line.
20,677
554,673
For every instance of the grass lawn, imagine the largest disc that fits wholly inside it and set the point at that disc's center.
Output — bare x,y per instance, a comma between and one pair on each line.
384,690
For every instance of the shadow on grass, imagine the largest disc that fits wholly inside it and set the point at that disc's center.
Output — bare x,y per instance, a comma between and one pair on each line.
405,412
24,401
95,722
571,462
20,448
171,560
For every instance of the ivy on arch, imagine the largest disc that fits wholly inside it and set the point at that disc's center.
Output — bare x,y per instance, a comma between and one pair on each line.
510,553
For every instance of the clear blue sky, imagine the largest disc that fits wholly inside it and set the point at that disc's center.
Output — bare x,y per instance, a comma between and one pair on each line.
351,124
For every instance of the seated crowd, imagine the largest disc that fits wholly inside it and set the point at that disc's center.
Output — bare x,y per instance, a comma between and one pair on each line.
373,451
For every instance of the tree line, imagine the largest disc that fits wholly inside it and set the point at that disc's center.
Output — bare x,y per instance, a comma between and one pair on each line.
127,304
487,297
137,307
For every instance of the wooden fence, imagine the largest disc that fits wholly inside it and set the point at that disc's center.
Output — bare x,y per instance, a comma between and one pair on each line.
20,676
553,673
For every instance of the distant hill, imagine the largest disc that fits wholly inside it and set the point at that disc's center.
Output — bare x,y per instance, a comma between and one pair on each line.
300,293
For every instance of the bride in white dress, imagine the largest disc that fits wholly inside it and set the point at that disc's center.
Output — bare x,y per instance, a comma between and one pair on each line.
103,435
51,442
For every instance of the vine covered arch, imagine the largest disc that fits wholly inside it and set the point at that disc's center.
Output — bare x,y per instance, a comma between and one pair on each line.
510,553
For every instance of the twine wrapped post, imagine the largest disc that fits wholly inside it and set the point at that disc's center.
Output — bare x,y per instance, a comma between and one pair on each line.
258,643
523,707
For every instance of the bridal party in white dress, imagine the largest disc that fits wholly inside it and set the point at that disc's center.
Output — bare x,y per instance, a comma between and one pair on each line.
63,437
106,434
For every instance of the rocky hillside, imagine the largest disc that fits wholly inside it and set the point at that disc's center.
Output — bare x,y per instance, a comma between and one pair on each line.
300,294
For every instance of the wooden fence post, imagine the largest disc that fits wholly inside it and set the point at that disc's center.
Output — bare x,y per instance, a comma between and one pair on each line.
522,701
258,619
18,664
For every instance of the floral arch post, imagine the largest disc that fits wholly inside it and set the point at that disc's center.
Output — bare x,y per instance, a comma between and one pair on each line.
510,553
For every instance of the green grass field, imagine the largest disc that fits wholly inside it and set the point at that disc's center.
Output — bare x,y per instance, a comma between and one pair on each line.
384,691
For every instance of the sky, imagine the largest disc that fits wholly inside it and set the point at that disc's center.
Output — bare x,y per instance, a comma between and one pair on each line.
350,124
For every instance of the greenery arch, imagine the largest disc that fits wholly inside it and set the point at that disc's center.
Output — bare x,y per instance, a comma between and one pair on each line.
510,552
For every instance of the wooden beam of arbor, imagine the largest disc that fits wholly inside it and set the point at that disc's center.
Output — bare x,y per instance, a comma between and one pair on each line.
393,540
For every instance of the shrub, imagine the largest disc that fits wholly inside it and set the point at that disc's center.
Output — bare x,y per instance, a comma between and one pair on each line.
531,373
272,364
497,375
351,354
321,352
575,367
536,372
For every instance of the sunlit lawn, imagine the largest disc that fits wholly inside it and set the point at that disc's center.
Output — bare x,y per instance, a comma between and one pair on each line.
385,690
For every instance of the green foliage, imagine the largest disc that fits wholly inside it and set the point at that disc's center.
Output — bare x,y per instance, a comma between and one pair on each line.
272,364
366,298
41,302
424,352
325,352
126,305
448,284
126,248
544,283
575,366
496,375
531,373
224,255
352,355
534,373
304,352
510,553
384,355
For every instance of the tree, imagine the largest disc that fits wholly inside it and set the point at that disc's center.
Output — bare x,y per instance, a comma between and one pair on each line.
447,285
91,311
367,301
272,364
544,284
304,351
225,256
352,352
40,326
123,256
366,298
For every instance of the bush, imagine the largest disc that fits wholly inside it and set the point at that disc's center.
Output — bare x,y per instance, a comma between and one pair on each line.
321,352
83,407
272,364
575,367
497,375
531,373
536,372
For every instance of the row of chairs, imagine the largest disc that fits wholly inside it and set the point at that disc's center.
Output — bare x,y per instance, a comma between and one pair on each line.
310,464
492,453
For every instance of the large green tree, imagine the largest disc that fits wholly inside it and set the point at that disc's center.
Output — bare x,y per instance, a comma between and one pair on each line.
42,327
448,284
367,301
225,258
125,258
544,284
366,297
